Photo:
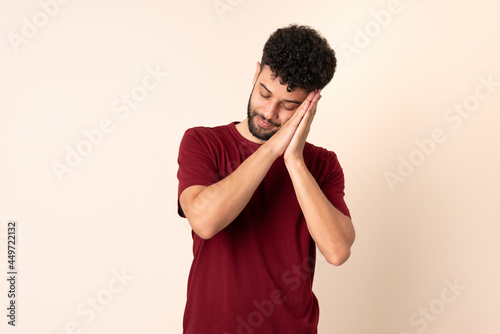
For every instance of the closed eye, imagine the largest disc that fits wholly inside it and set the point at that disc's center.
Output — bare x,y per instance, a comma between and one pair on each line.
286,108
268,96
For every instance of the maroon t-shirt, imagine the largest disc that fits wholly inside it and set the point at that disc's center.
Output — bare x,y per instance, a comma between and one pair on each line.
256,275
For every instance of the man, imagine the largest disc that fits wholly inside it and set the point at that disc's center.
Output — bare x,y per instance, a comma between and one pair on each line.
259,199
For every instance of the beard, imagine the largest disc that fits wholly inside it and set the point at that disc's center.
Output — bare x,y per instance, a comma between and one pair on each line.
255,129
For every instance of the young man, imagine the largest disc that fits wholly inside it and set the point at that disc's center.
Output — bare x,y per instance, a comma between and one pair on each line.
259,199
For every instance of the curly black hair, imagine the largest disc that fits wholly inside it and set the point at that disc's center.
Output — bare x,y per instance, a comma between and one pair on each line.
300,57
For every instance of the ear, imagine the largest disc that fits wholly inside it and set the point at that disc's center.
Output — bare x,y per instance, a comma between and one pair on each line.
257,72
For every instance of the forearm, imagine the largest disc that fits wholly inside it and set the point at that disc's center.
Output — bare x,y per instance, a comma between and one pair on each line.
331,230
216,206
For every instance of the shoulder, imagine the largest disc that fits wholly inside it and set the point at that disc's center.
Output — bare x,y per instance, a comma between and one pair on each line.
324,166
315,153
211,141
205,131
207,135
322,163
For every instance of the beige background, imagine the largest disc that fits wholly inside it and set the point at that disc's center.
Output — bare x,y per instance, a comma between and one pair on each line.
115,212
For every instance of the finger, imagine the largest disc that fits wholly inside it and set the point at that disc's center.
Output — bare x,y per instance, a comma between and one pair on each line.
311,111
306,104
309,99
302,109
317,95
309,116
314,102
315,98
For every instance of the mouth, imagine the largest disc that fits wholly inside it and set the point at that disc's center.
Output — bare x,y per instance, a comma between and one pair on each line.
264,123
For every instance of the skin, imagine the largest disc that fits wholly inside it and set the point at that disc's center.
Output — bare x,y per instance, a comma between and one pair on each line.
210,209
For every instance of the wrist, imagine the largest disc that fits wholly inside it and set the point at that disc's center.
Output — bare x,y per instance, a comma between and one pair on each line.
294,162
268,151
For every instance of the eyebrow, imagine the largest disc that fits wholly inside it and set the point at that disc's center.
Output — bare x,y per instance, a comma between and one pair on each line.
289,101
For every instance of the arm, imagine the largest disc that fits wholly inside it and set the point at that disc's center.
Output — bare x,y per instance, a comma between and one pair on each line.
210,209
331,230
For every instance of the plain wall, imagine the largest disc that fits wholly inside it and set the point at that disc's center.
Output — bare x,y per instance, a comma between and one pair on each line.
409,112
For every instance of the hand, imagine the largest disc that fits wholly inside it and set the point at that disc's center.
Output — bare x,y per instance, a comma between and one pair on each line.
281,139
295,148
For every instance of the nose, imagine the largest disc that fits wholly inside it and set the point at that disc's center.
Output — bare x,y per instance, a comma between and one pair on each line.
271,110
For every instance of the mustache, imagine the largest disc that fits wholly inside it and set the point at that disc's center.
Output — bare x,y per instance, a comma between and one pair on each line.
256,114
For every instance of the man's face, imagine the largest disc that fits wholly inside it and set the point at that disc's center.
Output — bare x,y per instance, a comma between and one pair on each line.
270,104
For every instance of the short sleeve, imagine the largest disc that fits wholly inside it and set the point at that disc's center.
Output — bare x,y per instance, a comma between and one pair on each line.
333,184
196,166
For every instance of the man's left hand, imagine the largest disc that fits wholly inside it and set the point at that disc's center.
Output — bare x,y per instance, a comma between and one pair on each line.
294,151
